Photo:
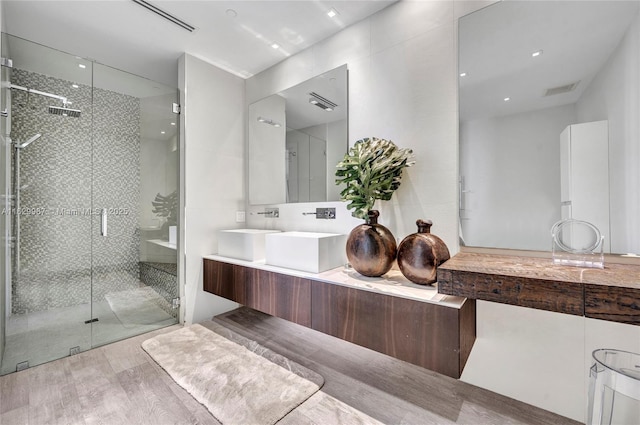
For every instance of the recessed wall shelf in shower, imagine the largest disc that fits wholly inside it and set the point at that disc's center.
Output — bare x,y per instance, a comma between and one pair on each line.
164,244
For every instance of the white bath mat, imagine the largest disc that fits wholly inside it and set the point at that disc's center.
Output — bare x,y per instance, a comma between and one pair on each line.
238,386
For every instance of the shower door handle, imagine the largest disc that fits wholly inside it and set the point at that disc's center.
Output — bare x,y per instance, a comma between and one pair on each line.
103,222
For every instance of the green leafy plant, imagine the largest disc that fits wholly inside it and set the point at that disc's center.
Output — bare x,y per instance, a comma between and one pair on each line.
372,169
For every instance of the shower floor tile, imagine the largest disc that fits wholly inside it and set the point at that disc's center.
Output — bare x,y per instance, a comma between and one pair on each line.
43,336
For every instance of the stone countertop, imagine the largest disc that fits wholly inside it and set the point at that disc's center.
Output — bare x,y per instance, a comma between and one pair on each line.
620,275
392,283
612,293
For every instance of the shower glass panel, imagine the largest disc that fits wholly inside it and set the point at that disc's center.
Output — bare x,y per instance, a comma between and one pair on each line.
135,181
5,199
49,290
93,170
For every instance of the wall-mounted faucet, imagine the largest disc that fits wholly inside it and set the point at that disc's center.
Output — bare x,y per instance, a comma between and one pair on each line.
271,212
323,213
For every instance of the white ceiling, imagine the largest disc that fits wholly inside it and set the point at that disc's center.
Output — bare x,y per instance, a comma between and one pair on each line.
496,44
127,36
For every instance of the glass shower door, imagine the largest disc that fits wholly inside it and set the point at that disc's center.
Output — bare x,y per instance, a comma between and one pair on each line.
90,179
48,292
135,181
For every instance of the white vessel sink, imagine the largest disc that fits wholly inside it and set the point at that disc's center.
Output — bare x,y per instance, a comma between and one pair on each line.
306,251
243,244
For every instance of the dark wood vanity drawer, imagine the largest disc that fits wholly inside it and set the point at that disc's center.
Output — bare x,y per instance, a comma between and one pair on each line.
225,280
433,336
287,297
276,294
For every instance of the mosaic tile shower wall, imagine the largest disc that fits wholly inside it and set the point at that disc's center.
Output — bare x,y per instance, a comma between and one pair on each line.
78,166
162,277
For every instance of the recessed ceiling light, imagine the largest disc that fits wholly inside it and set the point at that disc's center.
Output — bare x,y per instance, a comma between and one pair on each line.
275,45
536,54
173,123
81,65
162,132
231,13
506,99
75,86
332,13
463,74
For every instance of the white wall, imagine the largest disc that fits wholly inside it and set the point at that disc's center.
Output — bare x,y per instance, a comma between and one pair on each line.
540,357
402,86
503,161
212,134
614,95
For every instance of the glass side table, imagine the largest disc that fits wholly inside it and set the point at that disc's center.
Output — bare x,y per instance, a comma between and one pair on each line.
614,388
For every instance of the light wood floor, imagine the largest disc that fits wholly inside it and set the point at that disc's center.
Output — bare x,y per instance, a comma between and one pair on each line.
120,384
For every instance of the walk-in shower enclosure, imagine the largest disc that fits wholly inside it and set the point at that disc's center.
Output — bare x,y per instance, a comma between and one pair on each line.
89,204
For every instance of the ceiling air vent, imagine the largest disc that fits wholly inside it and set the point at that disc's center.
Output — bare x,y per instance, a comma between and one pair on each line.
561,89
165,15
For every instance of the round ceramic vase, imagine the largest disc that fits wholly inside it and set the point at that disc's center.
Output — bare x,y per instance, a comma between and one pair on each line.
371,248
421,253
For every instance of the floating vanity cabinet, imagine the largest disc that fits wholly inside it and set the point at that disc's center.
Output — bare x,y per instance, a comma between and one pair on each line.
287,297
389,315
433,336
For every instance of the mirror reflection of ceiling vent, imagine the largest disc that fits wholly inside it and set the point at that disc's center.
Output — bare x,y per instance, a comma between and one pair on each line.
321,102
561,89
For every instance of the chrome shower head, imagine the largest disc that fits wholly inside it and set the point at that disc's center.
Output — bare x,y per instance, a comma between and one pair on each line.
28,142
64,111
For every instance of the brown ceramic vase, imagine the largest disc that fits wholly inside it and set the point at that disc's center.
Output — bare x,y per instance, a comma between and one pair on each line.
421,253
371,248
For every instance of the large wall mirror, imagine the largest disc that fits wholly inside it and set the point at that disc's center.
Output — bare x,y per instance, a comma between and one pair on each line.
549,122
296,139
